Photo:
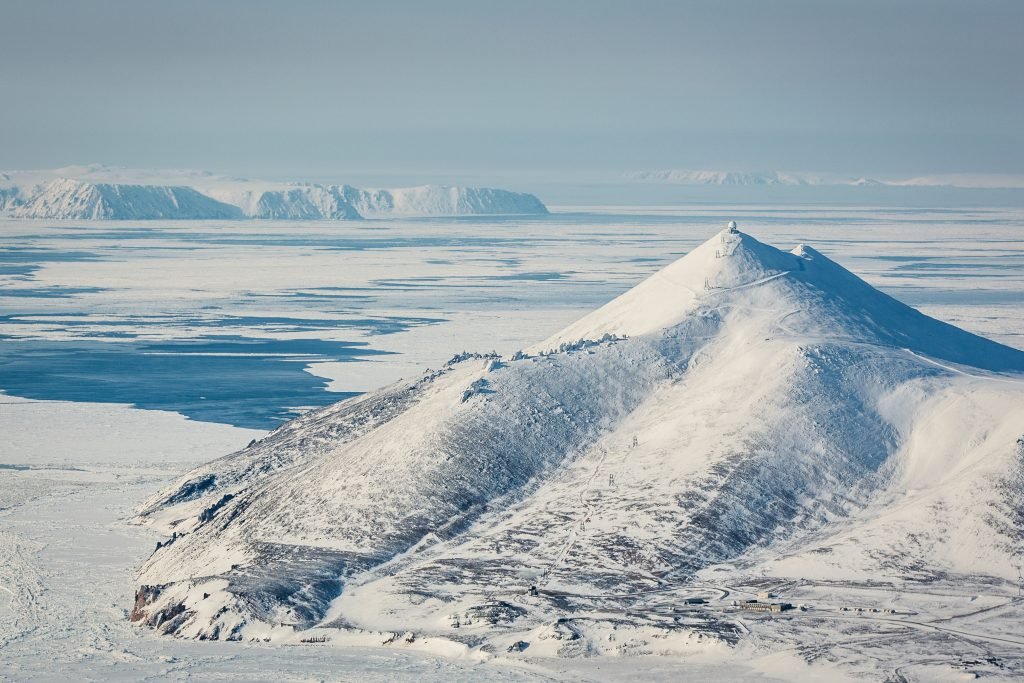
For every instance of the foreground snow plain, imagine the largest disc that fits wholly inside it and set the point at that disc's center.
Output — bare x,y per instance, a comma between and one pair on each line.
72,555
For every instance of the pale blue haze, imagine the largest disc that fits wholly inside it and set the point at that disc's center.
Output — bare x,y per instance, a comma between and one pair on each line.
301,88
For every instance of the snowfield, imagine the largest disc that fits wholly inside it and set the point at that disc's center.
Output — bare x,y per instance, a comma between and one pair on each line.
747,419
67,555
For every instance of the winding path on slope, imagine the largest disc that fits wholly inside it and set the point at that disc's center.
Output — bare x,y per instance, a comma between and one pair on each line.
958,371
580,525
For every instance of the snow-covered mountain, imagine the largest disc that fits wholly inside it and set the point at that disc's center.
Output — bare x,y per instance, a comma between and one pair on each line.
732,178
969,181
989,181
97,192
76,199
743,408
352,203
434,200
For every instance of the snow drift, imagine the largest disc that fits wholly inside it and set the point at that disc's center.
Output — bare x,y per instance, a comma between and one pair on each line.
744,404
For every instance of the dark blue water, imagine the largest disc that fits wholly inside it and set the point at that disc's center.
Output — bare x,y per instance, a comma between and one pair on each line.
259,389
48,292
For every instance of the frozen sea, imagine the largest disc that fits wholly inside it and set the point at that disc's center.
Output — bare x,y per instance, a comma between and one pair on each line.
250,323
131,351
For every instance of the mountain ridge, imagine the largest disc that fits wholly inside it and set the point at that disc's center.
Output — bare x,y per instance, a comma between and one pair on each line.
743,399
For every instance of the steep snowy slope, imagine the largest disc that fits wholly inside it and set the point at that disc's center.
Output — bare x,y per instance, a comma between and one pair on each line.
8,197
743,405
73,199
305,202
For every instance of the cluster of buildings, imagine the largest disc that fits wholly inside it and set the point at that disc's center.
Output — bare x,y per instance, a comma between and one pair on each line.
762,604
758,606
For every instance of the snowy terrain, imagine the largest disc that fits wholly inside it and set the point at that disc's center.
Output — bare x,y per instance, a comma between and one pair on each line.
67,556
420,289
745,418
94,193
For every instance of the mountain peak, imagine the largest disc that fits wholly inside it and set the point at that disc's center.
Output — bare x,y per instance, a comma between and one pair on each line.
735,258
764,292
728,261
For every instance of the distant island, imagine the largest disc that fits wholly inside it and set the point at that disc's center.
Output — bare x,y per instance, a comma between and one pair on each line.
675,176
99,193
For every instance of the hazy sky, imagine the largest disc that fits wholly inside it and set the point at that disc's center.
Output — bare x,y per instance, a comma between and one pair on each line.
311,87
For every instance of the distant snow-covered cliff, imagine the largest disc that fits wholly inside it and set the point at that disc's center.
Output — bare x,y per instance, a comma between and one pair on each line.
75,199
685,177
347,202
435,200
110,194
305,202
